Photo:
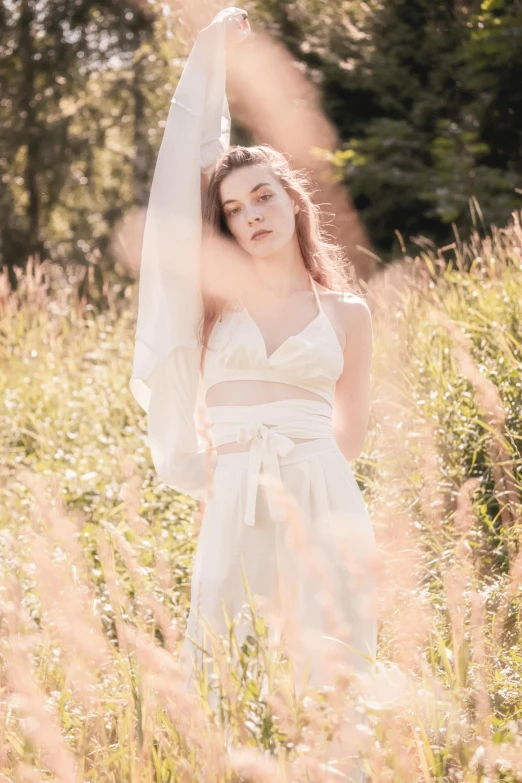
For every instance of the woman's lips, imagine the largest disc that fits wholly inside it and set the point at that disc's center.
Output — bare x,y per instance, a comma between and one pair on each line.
261,235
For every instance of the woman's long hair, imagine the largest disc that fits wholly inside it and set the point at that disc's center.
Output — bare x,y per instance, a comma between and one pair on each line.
324,260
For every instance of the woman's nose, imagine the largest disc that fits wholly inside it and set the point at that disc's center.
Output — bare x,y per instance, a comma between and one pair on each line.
254,217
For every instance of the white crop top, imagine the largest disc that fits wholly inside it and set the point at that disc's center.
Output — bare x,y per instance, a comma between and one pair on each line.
312,360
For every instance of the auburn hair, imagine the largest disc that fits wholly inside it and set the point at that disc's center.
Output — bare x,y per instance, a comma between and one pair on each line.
323,258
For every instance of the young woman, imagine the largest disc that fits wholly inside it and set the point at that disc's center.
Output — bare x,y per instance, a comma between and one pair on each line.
279,351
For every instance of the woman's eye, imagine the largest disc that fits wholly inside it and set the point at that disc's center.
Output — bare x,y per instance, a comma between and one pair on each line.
233,211
266,196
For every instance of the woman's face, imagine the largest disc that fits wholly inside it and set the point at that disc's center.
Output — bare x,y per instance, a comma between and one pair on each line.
253,200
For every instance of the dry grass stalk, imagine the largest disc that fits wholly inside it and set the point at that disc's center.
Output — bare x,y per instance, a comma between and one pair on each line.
27,699
146,599
489,400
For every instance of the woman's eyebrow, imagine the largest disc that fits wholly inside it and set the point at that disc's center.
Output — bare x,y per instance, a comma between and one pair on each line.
261,185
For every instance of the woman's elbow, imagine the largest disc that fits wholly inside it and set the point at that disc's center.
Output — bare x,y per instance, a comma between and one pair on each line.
351,445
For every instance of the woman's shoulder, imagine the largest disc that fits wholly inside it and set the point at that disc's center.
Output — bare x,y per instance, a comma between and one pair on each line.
349,311
343,301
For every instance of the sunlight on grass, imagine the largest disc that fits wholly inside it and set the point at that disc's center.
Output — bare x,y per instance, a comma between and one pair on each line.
97,554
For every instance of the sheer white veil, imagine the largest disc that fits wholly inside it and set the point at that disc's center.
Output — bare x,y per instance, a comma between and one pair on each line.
165,375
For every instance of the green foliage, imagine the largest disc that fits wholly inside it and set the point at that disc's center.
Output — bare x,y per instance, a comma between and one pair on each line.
426,98
86,89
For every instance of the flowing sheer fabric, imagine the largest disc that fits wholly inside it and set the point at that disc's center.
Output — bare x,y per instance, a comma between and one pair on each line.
167,353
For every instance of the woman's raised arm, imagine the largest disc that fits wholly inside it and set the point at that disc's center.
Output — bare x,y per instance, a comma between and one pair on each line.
167,351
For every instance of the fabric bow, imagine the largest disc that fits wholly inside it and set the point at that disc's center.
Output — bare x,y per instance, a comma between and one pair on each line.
266,447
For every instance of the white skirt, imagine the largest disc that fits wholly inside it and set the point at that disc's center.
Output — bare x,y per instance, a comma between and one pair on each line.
320,559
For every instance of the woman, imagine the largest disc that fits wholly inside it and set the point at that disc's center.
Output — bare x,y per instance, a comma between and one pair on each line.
279,360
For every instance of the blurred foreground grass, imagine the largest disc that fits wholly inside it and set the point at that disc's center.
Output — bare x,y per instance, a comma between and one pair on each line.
96,554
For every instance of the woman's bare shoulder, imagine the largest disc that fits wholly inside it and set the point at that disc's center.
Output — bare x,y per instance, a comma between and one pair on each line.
349,314
343,301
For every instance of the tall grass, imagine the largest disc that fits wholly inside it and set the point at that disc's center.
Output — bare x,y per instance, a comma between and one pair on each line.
96,554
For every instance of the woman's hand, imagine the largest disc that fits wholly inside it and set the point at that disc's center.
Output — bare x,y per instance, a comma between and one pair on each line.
238,28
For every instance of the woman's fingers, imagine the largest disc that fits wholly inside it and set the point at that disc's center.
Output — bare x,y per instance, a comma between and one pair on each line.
238,28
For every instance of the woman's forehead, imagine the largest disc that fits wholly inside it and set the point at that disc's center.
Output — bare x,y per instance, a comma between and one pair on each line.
239,183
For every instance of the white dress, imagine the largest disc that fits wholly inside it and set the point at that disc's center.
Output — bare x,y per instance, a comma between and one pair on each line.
245,524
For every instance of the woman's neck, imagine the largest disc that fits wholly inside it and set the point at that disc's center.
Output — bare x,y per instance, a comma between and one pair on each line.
280,274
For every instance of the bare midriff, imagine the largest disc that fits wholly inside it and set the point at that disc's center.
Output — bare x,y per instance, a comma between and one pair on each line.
252,392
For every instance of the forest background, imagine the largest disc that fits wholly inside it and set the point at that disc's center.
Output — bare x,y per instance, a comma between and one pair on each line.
425,96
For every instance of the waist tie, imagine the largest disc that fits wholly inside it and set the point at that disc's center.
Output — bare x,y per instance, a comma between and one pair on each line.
293,418
266,446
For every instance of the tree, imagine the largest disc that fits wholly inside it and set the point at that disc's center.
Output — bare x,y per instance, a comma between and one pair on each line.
424,94
65,70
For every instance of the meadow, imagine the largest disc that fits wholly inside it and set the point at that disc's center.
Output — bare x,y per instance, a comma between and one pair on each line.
96,554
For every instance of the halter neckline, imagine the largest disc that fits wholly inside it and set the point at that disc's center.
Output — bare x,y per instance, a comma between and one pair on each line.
312,359
311,323
316,292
